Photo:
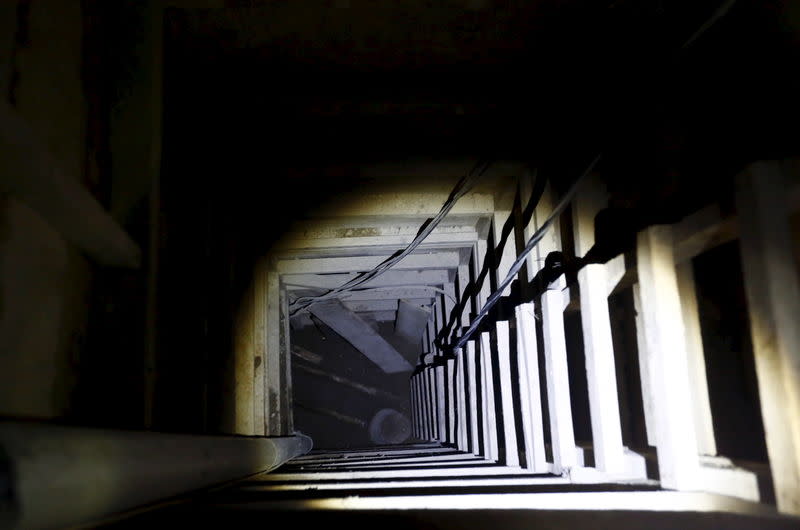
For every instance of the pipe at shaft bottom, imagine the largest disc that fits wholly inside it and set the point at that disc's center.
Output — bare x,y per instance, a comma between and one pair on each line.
56,476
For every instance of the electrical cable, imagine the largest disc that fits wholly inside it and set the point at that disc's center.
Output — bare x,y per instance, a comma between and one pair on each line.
461,188
536,195
517,265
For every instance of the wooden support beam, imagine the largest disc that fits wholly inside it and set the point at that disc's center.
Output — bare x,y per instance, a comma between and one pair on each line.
475,413
441,403
702,231
773,298
375,230
368,306
488,406
361,335
391,278
413,401
462,411
450,389
530,393
432,404
285,353
423,387
645,371
557,374
405,204
30,172
511,448
600,369
438,260
595,284
272,403
703,423
678,461
389,242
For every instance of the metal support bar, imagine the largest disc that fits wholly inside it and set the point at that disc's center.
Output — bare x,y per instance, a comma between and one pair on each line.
67,476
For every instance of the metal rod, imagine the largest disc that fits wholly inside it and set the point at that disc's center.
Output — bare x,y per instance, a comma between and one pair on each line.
65,476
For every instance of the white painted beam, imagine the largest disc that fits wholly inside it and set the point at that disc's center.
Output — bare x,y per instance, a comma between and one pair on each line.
678,461
475,415
441,403
367,306
594,284
405,204
385,228
413,402
462,412
557,375
450,387
433,416
703,422
530,393
390,278
379,316
489,410
511,457
601,374
424,399
439,260
391,293
365,246
773,298
361,335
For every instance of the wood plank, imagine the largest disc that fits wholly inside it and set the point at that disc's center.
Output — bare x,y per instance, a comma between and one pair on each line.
601,373
557,376
489,409
462,412
285,354
678,461
433,417
361,335
450,386
511,447
272,372
773,298
530,393
702,231
389,242
368,306
438,260
32,174
441,403
698,382
390,278
645,371
475,416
